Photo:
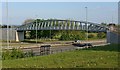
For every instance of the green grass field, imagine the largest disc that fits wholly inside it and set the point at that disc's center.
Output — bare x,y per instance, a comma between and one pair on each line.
97,57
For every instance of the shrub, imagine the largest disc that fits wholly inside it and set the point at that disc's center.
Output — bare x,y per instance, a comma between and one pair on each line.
15,54
73,35
101,35
29,54
90,36
6,55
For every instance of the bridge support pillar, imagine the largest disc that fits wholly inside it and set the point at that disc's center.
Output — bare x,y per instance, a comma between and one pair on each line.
108,37
19,36
113,38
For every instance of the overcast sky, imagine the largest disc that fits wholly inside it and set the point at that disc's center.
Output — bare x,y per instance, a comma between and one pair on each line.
98,12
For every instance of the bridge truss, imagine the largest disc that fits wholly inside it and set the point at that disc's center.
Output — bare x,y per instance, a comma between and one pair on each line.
63,25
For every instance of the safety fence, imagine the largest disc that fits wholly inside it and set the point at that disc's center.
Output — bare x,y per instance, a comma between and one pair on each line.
45,50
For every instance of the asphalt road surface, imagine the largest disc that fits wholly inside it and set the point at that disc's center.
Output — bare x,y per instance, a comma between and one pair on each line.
61,48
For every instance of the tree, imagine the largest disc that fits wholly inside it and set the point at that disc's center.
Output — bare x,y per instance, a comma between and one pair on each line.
104,24
28,21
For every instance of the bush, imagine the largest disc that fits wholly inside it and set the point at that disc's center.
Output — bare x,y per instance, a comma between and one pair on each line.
6,55
90,36
57,36
29,54
15,54
73,35
101,35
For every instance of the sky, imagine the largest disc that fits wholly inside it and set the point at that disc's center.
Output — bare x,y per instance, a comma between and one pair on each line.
60,0
98,12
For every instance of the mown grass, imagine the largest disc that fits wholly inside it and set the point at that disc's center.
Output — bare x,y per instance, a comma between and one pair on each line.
86,58
111,47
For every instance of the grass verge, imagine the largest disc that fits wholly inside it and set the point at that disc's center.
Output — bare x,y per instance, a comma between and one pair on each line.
86,58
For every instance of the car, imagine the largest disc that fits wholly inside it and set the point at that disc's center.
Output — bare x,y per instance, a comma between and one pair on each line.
78,44
77,41
82,45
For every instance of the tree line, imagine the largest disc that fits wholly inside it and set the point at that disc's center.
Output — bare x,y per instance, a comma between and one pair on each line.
8,26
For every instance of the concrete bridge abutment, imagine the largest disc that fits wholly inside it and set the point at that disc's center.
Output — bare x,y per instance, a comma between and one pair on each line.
19,36
113,38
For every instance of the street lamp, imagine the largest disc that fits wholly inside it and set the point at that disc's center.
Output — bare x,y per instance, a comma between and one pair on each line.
7,24
87,20
112,19
36,31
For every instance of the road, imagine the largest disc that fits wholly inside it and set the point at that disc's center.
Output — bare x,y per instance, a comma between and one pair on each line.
59,47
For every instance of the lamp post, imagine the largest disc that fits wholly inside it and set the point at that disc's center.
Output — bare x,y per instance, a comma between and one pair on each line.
36,31
86,21
112,19
7,24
